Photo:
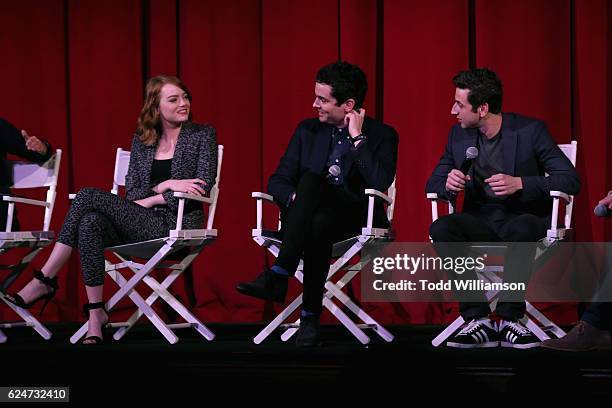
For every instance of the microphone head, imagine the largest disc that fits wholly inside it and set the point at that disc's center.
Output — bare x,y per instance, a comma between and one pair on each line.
601,210
471,153
334,170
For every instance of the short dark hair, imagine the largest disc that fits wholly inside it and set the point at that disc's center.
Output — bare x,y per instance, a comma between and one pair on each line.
347,81
484,86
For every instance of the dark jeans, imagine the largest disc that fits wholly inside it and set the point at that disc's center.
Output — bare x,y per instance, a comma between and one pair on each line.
465,227
321,215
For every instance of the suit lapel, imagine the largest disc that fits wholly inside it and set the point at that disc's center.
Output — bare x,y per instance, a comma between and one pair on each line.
321,147
509,141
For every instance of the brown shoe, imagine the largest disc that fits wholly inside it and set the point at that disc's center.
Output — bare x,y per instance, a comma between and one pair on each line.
582,337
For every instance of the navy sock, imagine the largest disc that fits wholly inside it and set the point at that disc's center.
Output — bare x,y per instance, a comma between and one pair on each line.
279,270
306,313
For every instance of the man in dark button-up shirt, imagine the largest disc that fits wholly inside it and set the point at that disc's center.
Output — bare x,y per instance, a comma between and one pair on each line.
319,185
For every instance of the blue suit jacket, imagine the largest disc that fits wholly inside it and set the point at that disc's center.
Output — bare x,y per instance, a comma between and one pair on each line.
528,152
371,165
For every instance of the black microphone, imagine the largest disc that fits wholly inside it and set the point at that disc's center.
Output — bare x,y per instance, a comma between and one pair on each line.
471,153
334,171
602,210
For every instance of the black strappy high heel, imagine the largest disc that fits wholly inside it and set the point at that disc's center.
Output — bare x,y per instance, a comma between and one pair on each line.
50,282
86,308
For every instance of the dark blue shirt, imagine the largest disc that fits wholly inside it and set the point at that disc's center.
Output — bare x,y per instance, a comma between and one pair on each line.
340,146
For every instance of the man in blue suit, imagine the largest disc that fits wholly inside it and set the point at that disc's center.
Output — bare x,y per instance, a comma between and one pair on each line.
319,185
506,199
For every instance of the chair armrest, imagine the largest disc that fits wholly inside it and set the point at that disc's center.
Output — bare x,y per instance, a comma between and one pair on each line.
11,199
371,193
71,196
561,194
193,197
433,197
556,233
181,205
376,193
263,196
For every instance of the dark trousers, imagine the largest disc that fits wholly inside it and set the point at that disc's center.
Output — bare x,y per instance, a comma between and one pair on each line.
321,215
518,262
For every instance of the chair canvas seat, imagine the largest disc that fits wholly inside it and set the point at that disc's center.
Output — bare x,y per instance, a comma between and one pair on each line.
338,249
146,249
334,298
26,176
142,258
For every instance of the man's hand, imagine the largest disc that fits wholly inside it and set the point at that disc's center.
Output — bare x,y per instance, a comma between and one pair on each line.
504,185
354,121
455,181
33,143
607,201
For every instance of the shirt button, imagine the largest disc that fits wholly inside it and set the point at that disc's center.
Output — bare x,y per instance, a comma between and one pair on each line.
337,160
336,178
339,142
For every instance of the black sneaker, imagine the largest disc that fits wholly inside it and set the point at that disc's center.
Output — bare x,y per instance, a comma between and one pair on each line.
309,333
478,333
516,335
268,286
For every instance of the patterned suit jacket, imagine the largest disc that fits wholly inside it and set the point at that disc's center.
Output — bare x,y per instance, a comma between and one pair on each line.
195,156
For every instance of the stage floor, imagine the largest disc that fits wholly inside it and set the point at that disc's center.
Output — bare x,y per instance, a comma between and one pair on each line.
233,367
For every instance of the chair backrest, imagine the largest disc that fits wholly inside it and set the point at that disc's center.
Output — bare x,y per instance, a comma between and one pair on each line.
122,163
35,175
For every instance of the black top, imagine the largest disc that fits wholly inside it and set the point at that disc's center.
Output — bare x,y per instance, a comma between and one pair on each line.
160,171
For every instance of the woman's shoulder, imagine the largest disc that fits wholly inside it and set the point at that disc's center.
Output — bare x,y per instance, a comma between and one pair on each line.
199,129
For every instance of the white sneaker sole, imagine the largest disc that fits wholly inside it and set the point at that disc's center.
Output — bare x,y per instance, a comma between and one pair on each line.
519,346
488,344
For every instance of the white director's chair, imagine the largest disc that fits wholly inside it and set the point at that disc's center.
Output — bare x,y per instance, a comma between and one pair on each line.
28,175
155,253
342,251
535,320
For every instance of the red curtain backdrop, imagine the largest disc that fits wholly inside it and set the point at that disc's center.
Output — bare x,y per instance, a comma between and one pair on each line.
74,70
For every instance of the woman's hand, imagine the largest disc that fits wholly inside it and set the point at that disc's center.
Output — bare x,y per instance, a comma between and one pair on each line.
189,186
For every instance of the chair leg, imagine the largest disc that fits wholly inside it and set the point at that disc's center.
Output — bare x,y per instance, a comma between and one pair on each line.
149,313
29,320
278,320
160,290
545,321
128,288
2,337
446,333
334,290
